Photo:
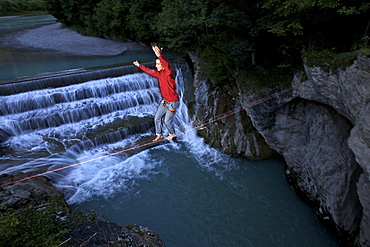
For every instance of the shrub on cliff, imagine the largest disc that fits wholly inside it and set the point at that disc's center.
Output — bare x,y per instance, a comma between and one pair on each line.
331,60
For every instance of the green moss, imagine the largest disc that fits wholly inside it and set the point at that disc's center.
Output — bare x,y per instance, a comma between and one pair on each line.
31,226
129,227
330,60
38,224
256,79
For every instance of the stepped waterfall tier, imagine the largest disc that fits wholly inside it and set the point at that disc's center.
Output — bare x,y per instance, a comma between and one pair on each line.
47,121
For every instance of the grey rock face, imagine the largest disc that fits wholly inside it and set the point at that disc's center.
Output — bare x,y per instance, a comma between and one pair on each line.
313,140
233,133
324,135
321,128
22,193
348,92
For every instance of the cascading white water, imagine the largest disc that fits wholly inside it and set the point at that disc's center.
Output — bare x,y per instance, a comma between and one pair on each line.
94,101
120,173
50,127
50,121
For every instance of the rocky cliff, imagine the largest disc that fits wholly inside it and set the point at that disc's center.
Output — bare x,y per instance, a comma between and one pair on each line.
38,195
322,130
234,134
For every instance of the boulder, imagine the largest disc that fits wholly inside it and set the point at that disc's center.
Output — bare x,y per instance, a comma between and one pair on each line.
37,192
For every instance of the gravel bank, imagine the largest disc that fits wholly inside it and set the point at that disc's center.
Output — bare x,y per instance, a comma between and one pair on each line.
65,41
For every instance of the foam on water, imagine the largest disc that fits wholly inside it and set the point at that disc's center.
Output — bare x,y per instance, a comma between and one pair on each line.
114,174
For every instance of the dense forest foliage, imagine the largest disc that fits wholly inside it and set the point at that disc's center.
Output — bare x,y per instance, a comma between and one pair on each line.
16,7
231,36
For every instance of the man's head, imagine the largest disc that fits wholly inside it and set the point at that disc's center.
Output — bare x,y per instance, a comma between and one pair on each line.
158,65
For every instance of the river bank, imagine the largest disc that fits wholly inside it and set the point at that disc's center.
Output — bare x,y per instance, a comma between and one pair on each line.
55,40
37,45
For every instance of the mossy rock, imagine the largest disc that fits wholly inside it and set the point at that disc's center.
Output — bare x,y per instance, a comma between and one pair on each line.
37,190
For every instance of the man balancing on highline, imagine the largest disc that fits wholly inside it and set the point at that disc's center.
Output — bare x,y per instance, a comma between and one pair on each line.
167,87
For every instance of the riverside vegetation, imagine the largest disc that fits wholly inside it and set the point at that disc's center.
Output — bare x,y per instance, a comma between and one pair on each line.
265,38
261,42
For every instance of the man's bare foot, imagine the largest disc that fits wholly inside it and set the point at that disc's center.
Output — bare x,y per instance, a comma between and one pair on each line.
169,137
157,138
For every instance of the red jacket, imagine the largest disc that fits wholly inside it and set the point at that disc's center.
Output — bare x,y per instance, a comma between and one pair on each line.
166,79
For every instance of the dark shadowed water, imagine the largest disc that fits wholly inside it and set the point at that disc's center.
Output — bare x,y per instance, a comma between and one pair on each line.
189,193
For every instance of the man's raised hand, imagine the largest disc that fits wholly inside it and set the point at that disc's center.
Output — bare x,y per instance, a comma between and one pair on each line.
157,50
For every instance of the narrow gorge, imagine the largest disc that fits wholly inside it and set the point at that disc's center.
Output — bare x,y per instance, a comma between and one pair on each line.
321,129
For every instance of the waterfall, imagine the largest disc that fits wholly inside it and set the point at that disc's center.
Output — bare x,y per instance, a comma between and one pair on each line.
53,128
61,79
85,105
54,121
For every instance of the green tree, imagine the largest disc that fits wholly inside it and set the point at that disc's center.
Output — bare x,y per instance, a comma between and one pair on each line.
290,14
66,11
9,6
142,20
54,7
15,7
360,9
110,18
223,33
230,35
316,22
181,22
